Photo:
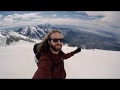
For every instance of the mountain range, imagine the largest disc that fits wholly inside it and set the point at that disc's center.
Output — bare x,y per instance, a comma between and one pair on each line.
73,36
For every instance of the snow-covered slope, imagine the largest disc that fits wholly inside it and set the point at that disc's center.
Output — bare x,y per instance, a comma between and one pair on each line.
10,37
17,61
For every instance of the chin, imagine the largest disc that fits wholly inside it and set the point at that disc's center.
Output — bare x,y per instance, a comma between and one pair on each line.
59,50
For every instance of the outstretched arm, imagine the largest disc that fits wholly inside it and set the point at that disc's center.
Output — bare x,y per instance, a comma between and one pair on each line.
68,55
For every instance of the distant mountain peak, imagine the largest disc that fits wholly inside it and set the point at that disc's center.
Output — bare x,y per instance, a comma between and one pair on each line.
73,36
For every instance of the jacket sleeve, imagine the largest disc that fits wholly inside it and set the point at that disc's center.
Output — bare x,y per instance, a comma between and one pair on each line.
44,69
68,55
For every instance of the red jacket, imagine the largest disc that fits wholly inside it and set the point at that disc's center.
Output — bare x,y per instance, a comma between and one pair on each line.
44,66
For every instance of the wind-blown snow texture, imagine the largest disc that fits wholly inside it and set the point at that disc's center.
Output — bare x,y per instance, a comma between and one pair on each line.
17,62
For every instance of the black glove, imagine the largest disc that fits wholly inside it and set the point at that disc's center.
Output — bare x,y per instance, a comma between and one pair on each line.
77,50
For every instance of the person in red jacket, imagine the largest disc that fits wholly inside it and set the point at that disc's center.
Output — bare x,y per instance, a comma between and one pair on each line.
51,52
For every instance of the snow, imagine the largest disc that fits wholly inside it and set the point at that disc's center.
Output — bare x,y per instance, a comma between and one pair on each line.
12,33
1,35
3,41
17,62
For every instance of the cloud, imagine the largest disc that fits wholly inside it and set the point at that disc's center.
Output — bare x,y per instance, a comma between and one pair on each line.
87,20
112,16
23,16
37,18
19,19
109,16
95,13
1,16
65,15
54,15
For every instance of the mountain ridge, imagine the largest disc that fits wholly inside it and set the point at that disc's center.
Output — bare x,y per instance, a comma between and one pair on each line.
73,36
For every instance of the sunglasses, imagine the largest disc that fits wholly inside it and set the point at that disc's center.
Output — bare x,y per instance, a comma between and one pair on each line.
55,40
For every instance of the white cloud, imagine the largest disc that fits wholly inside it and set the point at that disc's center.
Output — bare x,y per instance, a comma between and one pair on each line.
8,20
111,18
65,15
1,16
95,13
23,16
19,19
54,15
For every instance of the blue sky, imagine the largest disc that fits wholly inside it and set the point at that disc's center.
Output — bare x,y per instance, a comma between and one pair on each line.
87,20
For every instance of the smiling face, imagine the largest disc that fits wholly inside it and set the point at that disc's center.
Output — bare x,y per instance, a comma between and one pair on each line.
56,42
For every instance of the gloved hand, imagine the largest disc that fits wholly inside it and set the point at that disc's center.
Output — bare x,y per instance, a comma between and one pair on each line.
77,50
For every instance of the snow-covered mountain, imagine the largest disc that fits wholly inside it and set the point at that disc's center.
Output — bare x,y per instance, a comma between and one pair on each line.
73,36
32,32
40,31
8,37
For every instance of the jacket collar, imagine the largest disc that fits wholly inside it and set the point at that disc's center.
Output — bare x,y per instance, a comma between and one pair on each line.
54,56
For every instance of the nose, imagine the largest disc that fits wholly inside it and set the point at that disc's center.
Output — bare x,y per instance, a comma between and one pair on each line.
59,42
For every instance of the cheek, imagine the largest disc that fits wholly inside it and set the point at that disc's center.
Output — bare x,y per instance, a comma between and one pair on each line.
52,43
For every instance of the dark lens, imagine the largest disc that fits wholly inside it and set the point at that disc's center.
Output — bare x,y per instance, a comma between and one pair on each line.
61,40
55,40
